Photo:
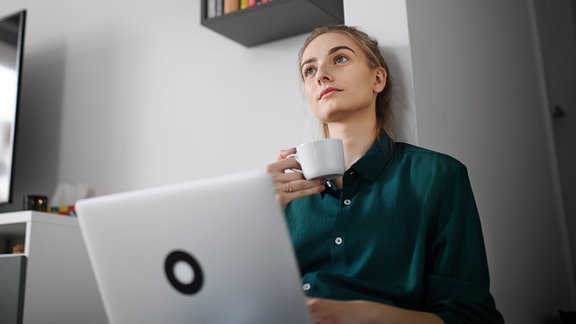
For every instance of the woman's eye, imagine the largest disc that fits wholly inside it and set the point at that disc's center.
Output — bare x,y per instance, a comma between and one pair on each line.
341,59
309,71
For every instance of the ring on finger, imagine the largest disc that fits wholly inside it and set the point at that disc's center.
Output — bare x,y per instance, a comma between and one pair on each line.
288,189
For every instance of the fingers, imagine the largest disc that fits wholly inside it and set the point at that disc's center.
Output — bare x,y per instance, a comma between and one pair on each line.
294,189
301,187
278,168
284,153
291,185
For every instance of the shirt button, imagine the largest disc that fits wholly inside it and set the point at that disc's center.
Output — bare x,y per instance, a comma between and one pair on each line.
338,240
306,287
347,202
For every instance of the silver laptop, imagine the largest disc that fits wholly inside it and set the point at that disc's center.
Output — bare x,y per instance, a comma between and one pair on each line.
209,251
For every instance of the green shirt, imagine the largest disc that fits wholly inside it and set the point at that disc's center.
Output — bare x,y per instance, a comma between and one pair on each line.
404,231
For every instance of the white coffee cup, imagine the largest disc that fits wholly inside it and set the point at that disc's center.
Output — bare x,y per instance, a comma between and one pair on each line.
321,159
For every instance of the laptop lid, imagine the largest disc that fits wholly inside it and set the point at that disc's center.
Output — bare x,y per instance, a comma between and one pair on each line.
210,251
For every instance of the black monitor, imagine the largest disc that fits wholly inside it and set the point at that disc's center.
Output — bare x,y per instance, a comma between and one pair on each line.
11,54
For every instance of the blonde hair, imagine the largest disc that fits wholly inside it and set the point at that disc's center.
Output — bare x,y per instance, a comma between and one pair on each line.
371,49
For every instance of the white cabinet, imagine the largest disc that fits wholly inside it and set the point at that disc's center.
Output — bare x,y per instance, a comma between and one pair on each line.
54,270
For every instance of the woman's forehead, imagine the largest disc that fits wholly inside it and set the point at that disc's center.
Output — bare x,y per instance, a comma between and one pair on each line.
322,44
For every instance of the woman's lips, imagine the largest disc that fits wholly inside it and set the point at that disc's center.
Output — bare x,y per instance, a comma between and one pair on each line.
327,91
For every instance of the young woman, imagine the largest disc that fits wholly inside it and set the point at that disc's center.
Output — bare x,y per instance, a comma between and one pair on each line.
397,238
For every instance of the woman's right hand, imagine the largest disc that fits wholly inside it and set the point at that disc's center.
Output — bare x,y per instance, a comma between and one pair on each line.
291,185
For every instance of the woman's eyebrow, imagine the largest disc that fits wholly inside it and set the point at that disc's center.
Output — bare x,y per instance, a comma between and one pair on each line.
337,48
331,51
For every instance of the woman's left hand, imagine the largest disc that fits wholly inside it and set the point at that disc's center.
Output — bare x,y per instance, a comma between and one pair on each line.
326,311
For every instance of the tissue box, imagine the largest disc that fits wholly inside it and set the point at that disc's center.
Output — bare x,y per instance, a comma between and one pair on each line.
67,210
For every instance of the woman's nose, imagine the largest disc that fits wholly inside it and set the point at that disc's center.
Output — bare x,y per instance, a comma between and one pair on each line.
323,75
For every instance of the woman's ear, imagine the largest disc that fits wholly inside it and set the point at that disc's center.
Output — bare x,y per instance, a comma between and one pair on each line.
380,78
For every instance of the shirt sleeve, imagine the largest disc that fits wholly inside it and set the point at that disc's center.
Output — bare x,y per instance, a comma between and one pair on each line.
458,283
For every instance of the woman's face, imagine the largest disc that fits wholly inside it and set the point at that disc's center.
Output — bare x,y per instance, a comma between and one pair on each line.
339,84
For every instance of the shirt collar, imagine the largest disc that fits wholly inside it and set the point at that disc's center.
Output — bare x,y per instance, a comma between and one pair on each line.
376,158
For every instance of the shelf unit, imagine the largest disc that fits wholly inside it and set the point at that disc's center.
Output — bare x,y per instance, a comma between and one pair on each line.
274,20
52,281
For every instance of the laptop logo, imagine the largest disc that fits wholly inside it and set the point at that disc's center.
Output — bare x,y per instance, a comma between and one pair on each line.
183,272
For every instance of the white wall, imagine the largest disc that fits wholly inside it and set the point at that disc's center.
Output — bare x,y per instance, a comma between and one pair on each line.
480,97
122,95
392,35
121,99
557,31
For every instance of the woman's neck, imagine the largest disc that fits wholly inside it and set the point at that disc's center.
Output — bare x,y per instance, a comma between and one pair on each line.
356,137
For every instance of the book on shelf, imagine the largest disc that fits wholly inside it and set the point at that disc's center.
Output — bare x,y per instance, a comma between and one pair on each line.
215,8
231,6
210,8
219,7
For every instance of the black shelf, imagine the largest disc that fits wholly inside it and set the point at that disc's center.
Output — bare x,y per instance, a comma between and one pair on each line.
274,20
